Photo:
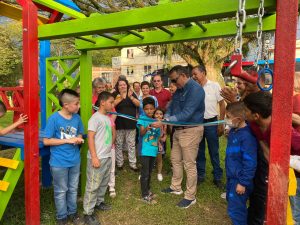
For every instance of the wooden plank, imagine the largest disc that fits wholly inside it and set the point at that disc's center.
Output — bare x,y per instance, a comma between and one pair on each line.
214,30
4,185
15,13
161,15
85,102
31,104
11,176
9,163
60,8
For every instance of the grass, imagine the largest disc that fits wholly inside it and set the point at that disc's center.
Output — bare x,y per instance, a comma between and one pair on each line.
128,209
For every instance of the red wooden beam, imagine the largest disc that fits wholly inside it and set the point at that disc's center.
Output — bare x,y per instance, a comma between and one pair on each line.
17,93
31,100
284,69
55,17
44,8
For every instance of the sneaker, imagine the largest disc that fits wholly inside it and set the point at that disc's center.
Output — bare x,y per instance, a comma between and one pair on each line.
134,168
148,200
91,220
160,177
112,194
63,221
219,184
103,207
185,203
76,219
139,177
223,195
171,191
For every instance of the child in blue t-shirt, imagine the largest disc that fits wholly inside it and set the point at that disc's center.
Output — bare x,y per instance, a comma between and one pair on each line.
149,149
240,163
63,133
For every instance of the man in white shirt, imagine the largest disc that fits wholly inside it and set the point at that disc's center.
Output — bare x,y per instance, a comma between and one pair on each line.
137,89
211,133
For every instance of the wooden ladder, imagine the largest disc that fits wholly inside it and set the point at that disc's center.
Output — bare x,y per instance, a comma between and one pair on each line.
14,167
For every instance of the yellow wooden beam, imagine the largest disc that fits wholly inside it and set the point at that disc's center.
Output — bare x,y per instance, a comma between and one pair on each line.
9,163
15,13
3,185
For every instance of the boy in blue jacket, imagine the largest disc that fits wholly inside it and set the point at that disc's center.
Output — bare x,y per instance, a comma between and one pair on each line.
240,163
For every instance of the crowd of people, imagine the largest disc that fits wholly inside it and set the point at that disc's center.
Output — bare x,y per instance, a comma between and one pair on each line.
191,102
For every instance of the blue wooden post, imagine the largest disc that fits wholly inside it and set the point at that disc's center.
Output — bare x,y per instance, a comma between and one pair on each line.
44,53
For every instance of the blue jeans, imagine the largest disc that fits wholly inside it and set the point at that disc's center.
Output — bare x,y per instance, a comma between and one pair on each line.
211,135
65,184
295,204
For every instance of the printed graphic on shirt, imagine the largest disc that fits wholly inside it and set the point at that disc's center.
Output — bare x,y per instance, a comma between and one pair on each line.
108,134
152,136
69,133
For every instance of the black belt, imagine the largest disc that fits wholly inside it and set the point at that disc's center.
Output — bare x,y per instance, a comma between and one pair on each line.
183,127
211,119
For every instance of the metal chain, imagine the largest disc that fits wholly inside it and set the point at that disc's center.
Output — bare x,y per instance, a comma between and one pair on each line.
240,22
267,46
260,13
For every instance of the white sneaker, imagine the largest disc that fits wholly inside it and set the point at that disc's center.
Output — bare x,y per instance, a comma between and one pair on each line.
223,195
112,194
160,177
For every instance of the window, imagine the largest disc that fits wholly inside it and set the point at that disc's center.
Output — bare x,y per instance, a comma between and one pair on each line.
147,69
130,71
130,53
107,76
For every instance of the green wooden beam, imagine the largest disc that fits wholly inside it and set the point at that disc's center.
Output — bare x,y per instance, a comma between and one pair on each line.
155,16
60,8
86,107
214,30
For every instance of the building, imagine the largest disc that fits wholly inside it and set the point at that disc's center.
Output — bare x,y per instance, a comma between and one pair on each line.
109,74
135,63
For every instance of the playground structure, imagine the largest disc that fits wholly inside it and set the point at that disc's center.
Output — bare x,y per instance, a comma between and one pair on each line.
130,28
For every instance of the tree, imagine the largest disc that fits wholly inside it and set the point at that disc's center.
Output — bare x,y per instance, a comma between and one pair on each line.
11,53
103,57
111,6
211,53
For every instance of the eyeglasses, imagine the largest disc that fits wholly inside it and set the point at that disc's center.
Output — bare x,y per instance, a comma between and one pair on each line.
156,81
175,80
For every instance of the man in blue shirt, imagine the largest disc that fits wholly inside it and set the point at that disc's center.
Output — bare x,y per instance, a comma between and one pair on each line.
187,106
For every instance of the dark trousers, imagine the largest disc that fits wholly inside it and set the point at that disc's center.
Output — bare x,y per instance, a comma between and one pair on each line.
237,204
258,198
211,136
146,170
